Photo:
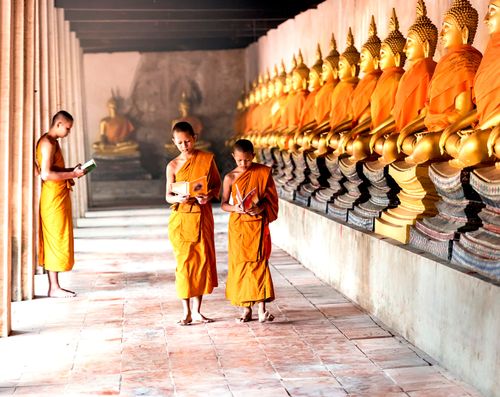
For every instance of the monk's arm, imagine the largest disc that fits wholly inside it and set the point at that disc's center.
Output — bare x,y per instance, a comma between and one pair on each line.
226,193
170,196
47,170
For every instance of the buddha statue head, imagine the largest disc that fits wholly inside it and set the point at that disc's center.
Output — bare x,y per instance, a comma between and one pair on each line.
349,60
251,96
422,36
330,67
315,72
270,85
288,82
259,90
279,79
391,49
370,51
459,24
300,74
492,18
112,106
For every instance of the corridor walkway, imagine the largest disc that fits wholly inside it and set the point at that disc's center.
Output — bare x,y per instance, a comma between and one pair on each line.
118,336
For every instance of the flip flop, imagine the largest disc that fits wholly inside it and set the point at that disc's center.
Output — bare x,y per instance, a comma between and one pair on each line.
267,317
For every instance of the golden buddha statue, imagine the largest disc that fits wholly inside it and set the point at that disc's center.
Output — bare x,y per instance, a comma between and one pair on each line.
412,90
473,146
450,92
391,60
184,110
348,70
115,133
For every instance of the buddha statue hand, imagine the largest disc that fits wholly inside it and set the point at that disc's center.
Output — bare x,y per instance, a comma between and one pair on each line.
455,128
492,140
410,129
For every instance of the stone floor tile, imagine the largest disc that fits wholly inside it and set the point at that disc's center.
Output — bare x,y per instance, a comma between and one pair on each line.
7,391
447,391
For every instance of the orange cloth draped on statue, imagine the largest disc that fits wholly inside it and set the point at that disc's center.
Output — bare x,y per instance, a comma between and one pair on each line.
361,96
454,74
341,101
308,111
118,129
249,241
265,121
191,231
323,102
294,108
277,112
383,97
249,118
55,237
487,82
411,95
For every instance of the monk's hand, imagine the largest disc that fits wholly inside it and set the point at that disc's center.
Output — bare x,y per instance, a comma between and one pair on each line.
78,171
254,210
238,208
202,199
182,199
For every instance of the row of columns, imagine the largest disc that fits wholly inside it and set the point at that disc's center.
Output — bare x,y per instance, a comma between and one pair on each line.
40,73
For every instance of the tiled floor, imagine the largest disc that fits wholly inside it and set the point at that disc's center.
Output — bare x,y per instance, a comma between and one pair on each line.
119,337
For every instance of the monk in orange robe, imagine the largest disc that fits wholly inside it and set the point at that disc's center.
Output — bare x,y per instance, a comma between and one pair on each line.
251,188
191,223
56,253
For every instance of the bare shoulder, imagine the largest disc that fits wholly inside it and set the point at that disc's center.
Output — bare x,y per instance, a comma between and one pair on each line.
232,175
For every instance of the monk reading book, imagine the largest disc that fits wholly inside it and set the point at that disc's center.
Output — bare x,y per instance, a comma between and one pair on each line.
56,253
191,223
249,278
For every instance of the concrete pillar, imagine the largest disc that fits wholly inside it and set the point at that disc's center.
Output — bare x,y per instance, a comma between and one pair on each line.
17,132
5,161
53,59
45,106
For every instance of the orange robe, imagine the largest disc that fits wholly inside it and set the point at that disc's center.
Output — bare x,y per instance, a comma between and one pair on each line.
249,241
117,129
412,92
249,118
454,74
308,111
191,231
361,96
383,97
341,101
294,108
55,245
487,81
277,112
265,121
323,102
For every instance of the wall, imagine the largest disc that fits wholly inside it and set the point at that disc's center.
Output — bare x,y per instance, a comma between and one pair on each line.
316,26
452,316
151,85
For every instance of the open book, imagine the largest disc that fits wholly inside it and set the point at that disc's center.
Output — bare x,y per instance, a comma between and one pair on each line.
249,200
89,166
191,188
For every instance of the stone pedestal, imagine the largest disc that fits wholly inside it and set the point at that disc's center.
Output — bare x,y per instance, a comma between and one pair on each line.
332,187
286,174
457,212
317,175
127,193
417,199
479,250
382,195
357,190
119,169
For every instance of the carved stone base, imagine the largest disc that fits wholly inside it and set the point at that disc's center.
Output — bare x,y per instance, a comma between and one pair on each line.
479,250
382,195
356,186
119,170
331,188
458,209
417,199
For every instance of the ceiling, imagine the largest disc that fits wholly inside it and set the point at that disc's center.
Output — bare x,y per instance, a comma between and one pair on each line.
175,25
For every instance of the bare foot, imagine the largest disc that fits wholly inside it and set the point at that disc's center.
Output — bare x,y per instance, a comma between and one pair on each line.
61,293
265,317
187,320
199,318
246,316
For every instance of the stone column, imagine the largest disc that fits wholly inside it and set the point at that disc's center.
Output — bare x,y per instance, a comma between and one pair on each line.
54,102
5,161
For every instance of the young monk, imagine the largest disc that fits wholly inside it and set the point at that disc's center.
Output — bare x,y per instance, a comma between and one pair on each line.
249,278
191,224
56,253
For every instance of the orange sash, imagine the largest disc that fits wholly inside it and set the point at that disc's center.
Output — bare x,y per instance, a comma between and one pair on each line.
362,94
341,101
382,100
323,103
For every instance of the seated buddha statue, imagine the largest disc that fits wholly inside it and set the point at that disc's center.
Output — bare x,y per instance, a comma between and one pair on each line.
359,115
323,100
307,119
115,133
295,103
184,110
411,95
264,113
474,146
392,58
348,69
450,91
